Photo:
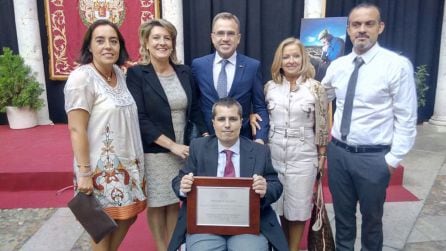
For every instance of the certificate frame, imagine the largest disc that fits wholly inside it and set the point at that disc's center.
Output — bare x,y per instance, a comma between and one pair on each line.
193,199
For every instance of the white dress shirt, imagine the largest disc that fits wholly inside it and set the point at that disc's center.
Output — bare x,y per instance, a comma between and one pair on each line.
230,69
222,158
385,103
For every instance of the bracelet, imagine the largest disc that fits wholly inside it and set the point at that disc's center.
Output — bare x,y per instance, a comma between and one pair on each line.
85,165
85,174
322,154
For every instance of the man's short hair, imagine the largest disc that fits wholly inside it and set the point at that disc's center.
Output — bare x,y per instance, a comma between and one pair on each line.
367,6
227,102
226,16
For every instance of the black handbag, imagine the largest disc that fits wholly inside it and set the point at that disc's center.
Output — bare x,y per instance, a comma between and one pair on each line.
320,235
91,216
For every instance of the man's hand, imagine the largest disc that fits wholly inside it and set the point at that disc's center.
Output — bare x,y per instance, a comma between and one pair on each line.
391,169
186,183
260,141
259,185
253,118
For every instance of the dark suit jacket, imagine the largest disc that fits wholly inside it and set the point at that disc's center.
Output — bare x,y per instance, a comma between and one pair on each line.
247,89
254,159
153,108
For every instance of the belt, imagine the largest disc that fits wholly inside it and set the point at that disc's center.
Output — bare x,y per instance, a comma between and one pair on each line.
291,132
360,148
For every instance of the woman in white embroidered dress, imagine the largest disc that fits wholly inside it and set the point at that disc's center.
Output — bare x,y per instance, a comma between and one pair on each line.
297,106
104,130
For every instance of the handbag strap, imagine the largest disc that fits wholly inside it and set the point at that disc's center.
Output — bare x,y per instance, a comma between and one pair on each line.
319,203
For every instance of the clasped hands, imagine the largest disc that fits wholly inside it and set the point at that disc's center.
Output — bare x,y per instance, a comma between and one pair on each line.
259,184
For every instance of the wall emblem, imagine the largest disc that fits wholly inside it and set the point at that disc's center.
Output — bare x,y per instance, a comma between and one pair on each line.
92,10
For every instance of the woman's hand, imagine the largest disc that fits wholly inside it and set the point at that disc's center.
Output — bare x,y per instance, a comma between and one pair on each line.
181,151
85,184
253,121
322,164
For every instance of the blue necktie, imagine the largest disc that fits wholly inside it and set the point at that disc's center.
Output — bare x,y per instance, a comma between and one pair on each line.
222,81
348,103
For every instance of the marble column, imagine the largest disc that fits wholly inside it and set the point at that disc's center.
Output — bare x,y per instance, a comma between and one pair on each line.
30,48
172,10
439,117
314,8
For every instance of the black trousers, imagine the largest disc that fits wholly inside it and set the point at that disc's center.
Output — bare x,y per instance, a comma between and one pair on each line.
357,177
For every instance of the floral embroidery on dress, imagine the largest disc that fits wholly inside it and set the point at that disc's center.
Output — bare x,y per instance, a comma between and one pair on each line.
110,177
118,93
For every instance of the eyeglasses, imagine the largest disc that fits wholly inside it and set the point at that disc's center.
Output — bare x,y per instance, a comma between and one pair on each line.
221,34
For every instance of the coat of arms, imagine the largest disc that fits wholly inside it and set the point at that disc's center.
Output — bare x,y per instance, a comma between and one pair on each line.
91,10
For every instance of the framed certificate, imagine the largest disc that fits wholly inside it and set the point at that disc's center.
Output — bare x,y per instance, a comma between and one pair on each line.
225,206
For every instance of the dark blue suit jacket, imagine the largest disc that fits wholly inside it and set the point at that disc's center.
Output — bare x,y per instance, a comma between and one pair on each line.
254,159
247,89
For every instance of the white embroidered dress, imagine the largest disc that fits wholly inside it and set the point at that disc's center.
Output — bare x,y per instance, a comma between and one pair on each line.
116,154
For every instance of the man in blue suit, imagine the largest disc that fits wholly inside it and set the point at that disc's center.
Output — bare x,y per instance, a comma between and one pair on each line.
226,154
227,73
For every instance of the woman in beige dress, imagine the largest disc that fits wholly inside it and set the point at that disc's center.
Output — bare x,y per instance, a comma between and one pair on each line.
165,94
297,107
104,131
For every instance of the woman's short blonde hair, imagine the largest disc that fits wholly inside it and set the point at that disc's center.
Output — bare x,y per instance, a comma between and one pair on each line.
144,32
307,70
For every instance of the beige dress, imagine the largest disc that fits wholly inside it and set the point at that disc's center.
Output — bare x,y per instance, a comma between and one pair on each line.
116,154
161,168
298,125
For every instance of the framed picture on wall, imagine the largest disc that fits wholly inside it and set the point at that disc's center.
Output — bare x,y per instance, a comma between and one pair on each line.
324,38
68,20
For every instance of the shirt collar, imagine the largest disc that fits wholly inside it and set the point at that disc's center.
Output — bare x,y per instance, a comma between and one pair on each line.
367,57
231,59
234,148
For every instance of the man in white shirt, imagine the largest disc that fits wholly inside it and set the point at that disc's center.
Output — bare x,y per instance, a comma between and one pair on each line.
372,131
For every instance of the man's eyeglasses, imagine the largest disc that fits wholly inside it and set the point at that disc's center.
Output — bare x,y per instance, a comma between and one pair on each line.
229,34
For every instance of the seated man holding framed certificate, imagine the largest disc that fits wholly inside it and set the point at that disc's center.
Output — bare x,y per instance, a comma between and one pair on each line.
228,155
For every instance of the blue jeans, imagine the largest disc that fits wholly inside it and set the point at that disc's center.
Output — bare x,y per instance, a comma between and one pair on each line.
243,242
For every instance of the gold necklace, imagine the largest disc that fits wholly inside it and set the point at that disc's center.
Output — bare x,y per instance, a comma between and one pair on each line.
107,78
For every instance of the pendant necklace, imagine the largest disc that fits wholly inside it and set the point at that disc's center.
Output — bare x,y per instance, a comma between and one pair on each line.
107,78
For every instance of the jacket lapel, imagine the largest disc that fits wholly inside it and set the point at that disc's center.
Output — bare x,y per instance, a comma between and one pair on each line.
151,79
247,159
240,66
210,75
211,156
